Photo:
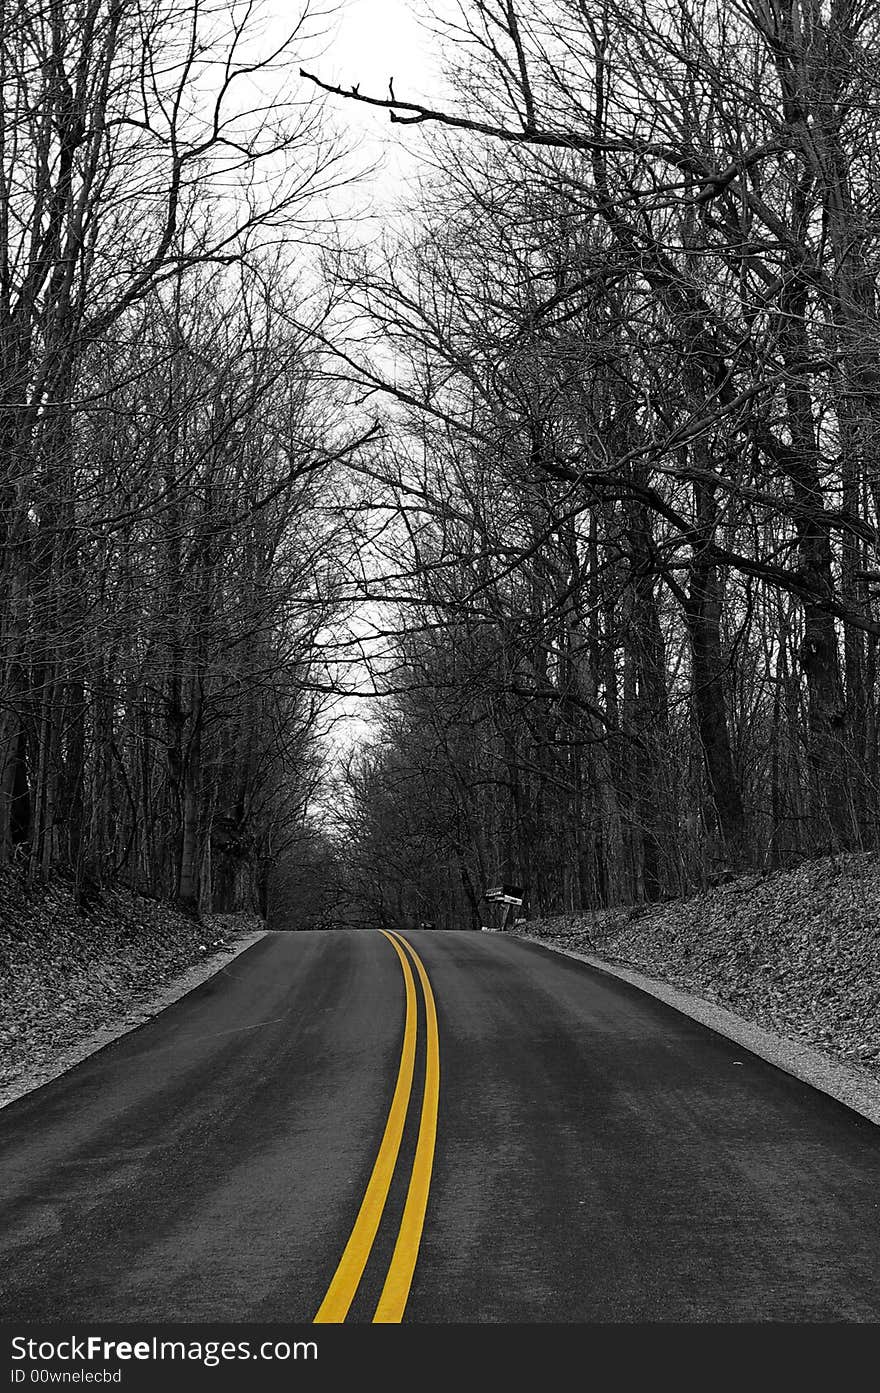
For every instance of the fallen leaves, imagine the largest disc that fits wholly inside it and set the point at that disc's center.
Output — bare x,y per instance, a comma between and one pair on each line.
796,951
65,974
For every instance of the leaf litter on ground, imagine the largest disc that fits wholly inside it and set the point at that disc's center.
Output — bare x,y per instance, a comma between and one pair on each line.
66,973
795,951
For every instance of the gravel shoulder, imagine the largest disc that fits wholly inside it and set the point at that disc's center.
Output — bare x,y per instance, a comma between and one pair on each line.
786,964
72,982
854,1087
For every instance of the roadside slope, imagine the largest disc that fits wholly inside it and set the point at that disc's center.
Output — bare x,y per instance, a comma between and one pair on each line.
795,952
71,980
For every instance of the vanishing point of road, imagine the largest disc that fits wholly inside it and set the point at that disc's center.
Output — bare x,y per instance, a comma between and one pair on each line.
432,1127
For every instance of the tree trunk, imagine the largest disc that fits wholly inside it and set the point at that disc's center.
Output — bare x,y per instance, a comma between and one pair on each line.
703,614
819,658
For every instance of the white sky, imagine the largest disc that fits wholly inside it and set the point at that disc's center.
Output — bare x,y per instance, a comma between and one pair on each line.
378,39
369,42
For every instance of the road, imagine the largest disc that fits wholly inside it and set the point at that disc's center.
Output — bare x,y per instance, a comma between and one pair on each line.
572,1151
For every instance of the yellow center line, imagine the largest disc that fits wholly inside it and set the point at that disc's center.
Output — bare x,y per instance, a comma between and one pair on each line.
398,1280
340,1293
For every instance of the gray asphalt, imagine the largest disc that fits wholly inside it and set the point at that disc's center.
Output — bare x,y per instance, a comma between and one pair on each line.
600,1157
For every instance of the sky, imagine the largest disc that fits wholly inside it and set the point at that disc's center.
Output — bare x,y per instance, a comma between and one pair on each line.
378,39
369,42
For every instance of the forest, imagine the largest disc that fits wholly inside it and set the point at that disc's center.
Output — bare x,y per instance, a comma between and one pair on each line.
567,481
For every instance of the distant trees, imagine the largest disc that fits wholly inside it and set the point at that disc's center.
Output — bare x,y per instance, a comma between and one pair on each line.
625,505
636,339
167,480
309,888
209,586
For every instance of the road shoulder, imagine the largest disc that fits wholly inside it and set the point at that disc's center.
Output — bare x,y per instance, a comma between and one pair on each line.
136,1015
855,1089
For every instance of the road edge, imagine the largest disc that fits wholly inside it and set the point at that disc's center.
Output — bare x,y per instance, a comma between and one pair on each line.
858,1092
136,1015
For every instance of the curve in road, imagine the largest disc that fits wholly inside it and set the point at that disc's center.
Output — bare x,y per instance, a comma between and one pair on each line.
595,1155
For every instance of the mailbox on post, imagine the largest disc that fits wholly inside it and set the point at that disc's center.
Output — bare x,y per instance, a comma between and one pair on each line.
511,896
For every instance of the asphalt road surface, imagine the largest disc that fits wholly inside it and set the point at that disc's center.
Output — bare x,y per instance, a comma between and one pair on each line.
303,1137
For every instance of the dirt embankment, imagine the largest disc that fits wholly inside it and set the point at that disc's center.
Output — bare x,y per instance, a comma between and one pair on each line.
797,952
66,975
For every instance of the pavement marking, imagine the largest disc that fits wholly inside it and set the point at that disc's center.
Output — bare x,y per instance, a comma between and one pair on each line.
398,1280
341,1291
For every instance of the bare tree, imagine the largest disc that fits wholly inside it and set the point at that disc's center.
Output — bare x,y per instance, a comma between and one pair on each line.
649,279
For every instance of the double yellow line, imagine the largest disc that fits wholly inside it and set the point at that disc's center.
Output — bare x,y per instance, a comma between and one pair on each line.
341,1291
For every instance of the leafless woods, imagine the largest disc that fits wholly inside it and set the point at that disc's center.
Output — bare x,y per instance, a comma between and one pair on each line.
637,454
591,435
167,473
